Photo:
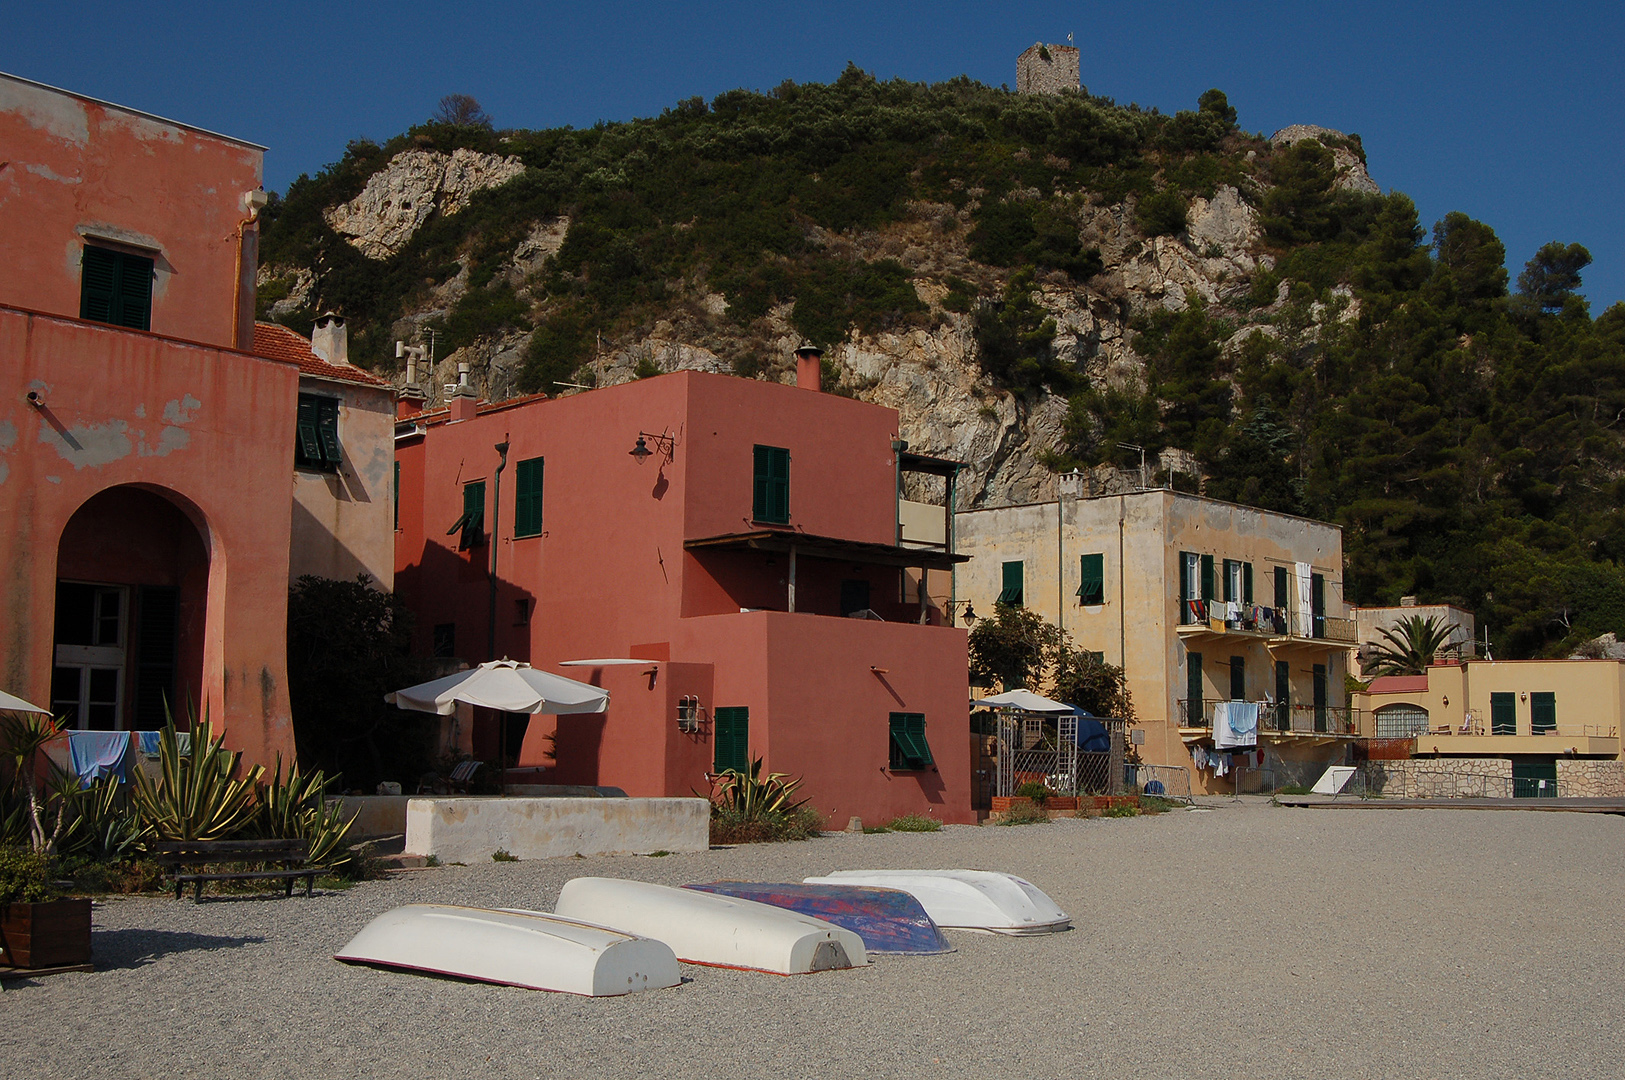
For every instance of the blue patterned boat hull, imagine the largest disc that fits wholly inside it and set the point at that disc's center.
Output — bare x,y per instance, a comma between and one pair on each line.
888,920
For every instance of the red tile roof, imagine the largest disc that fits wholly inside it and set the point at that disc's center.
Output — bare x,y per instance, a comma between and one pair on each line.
279,343
1399,684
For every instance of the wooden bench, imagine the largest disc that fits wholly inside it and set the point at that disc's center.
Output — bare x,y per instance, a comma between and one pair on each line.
294,854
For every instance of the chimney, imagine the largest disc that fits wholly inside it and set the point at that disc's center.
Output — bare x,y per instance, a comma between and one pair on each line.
1407,601
410,398
809,366
331,340
464,401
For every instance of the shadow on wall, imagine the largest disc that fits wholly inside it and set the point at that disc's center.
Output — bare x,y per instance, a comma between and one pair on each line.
447,587
316,549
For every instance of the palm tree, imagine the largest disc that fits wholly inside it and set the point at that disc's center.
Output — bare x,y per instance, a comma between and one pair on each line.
1410,647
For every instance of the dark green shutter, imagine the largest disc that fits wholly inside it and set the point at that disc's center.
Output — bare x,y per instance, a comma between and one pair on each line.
770,487
1193,689
1238,678
527,504
1246,583
909,749
98,280
1227,592
308,447
1503,714
1282,592
327,426
1092,589
1542,712
157,647
1014,590
731,738
1283,695
1320,697
472,523
1207,577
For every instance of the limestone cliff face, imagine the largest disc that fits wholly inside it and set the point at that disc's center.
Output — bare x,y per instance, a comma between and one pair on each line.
399,199
930,374
1351,172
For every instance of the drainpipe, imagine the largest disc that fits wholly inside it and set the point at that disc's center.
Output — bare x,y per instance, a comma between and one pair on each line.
1060,558
242,337
491,638
897,448
953,577
1122,576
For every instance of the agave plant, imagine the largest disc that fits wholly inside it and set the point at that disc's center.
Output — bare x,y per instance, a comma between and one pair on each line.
23,736
297,806
196,795
105,822
744,792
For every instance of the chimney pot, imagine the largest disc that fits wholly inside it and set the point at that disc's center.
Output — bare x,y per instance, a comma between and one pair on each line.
809,367
331,339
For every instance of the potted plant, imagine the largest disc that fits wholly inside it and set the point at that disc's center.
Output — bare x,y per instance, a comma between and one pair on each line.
38,928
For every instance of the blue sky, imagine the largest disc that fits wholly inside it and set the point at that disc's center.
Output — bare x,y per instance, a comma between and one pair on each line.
1509,112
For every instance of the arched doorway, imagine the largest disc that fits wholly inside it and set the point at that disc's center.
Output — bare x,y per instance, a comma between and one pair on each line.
131,604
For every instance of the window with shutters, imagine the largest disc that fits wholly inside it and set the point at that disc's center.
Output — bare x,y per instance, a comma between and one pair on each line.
527,499
470,528
317,445
909,750
1542,712
1503,714
731,734
1014,588
770,500
1092,589
1238,678
115,287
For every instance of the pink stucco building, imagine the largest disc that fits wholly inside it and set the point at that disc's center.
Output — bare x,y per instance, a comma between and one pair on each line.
708,539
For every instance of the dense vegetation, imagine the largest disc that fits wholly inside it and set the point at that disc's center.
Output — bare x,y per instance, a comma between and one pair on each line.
1466,436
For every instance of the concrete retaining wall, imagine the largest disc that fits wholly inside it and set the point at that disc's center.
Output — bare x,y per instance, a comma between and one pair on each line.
470,829
376,815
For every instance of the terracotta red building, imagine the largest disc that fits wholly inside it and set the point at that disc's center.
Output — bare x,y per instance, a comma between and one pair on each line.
145,453
709,539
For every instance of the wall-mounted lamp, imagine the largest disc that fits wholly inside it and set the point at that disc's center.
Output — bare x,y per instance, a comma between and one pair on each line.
1446,702
966,611
666,444
1524,696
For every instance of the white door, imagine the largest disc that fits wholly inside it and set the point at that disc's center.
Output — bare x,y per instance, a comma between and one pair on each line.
87,681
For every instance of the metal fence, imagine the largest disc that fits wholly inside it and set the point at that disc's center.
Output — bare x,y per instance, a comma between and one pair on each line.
1174,781
1042,750
1280,622
1278,717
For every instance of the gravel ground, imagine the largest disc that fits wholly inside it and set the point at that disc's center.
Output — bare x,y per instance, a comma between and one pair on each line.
1244,940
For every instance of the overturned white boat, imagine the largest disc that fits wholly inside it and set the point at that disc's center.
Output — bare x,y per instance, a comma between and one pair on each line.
704,928
966,899
515,948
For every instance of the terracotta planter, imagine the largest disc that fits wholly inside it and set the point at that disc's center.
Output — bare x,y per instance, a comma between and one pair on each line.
1061,802
1003,804
51,934
1108,802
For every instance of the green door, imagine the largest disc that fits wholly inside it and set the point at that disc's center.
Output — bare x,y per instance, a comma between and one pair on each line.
1542,712
1503,714
732,739
1534,778
1283,695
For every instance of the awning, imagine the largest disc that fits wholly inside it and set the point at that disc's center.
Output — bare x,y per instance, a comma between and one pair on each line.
828,547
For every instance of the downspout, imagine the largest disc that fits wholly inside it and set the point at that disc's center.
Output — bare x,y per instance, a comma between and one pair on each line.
1060,558
953,577
252,201
1122,576
491,639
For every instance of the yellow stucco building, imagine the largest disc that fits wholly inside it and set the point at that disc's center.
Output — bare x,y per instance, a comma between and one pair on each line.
1201,602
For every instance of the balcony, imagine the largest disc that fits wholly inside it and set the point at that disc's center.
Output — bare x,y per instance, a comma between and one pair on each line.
1199,618
1277,720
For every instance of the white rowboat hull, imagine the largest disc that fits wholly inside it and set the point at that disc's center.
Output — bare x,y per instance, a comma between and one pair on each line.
967,899
723,931
515,948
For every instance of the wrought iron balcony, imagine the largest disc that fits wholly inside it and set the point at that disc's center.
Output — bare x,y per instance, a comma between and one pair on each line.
1276,622
1275,718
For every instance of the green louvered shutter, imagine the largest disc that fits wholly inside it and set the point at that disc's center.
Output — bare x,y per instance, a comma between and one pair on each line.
1207,577
1246,583
1014,585
1503,714
1542,712
909,750
731,738
134,308
327,427
1092,588
527,509
308,446
97,284
473,519
770,498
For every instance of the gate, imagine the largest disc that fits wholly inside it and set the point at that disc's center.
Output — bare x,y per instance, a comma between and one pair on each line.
1037,749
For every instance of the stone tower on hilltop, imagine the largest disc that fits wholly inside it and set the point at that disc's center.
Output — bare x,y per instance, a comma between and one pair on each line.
1047,69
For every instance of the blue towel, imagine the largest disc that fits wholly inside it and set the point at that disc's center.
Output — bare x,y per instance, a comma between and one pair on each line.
94,754
149,742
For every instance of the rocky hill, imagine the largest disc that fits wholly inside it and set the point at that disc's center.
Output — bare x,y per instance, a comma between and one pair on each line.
1030,281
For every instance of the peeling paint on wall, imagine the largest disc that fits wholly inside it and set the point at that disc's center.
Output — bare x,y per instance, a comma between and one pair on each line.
170,440
54,113
182,411
90,445
45,172
8,434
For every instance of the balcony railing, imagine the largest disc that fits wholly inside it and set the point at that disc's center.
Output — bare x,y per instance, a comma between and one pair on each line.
1279,718
1279,622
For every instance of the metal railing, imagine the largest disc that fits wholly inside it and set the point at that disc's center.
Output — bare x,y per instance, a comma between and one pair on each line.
1278,717
1163,781
1280,622
1047,752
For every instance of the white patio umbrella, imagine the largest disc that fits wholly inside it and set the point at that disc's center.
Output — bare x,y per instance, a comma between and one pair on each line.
11,703
504,685
1025,700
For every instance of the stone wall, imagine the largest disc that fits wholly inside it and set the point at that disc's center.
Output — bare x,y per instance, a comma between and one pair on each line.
1047,69
1590,778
